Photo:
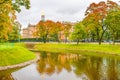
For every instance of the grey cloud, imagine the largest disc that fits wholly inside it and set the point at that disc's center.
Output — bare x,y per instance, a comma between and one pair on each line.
68,11
56,10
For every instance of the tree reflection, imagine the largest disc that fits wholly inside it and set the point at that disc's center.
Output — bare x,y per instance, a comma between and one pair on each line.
6,74
113,70
89,66
55,62
6,77
94,68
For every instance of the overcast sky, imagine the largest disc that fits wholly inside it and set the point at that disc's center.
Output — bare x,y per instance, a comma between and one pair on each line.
56,10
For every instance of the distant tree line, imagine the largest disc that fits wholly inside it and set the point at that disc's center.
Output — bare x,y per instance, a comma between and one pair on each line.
52,31
101,23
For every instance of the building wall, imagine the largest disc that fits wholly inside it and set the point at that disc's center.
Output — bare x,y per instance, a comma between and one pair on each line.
29,31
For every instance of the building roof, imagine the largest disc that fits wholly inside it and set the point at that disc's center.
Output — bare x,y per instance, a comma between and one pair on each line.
30,25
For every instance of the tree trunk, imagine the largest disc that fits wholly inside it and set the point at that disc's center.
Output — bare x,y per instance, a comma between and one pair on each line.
100,42
77,41
93,38
98,36
44,39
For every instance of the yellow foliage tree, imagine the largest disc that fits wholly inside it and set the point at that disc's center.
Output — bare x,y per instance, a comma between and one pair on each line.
8,9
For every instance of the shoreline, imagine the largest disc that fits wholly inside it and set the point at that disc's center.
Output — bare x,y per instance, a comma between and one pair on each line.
19,65
93,48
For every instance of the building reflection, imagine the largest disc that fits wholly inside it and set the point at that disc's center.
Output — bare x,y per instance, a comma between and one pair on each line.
93,68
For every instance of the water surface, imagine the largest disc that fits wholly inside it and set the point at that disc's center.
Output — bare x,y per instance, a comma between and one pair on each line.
61,66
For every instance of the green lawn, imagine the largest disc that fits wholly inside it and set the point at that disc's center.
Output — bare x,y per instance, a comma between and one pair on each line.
11,54
104,48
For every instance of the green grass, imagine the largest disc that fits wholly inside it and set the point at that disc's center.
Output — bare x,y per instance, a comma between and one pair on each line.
14,54
104,48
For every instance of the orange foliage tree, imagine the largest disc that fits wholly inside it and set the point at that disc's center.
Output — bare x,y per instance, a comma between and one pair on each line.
47,29
95,17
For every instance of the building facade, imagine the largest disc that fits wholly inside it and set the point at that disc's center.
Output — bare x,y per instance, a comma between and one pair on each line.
29,31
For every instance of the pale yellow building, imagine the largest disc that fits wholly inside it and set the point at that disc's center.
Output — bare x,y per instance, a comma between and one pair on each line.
29,31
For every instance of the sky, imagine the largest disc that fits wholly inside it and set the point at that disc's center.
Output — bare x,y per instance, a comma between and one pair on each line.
56,10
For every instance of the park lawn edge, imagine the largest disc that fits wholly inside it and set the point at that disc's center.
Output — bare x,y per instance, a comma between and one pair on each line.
12,55
95,49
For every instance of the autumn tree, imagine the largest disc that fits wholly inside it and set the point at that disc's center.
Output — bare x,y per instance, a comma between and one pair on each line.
8,9
15,33
5,23
78,32
95,16
113,23
41,30
56,29
91,27
45,29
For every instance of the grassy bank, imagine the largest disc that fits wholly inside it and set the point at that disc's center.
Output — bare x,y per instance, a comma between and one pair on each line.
13,54
104,48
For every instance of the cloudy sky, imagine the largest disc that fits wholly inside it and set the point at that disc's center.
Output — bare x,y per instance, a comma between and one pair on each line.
56,10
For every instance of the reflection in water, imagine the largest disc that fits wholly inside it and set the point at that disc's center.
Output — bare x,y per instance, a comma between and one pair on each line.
113,69
88,67
6,75
55,62
60,66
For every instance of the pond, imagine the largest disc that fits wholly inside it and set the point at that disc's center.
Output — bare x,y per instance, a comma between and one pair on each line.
60,66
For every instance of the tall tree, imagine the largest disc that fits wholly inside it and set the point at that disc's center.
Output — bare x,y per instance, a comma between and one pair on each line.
91,27
8,9
15,33
98,13
57,28
41,30
113,22
45,29
78,32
